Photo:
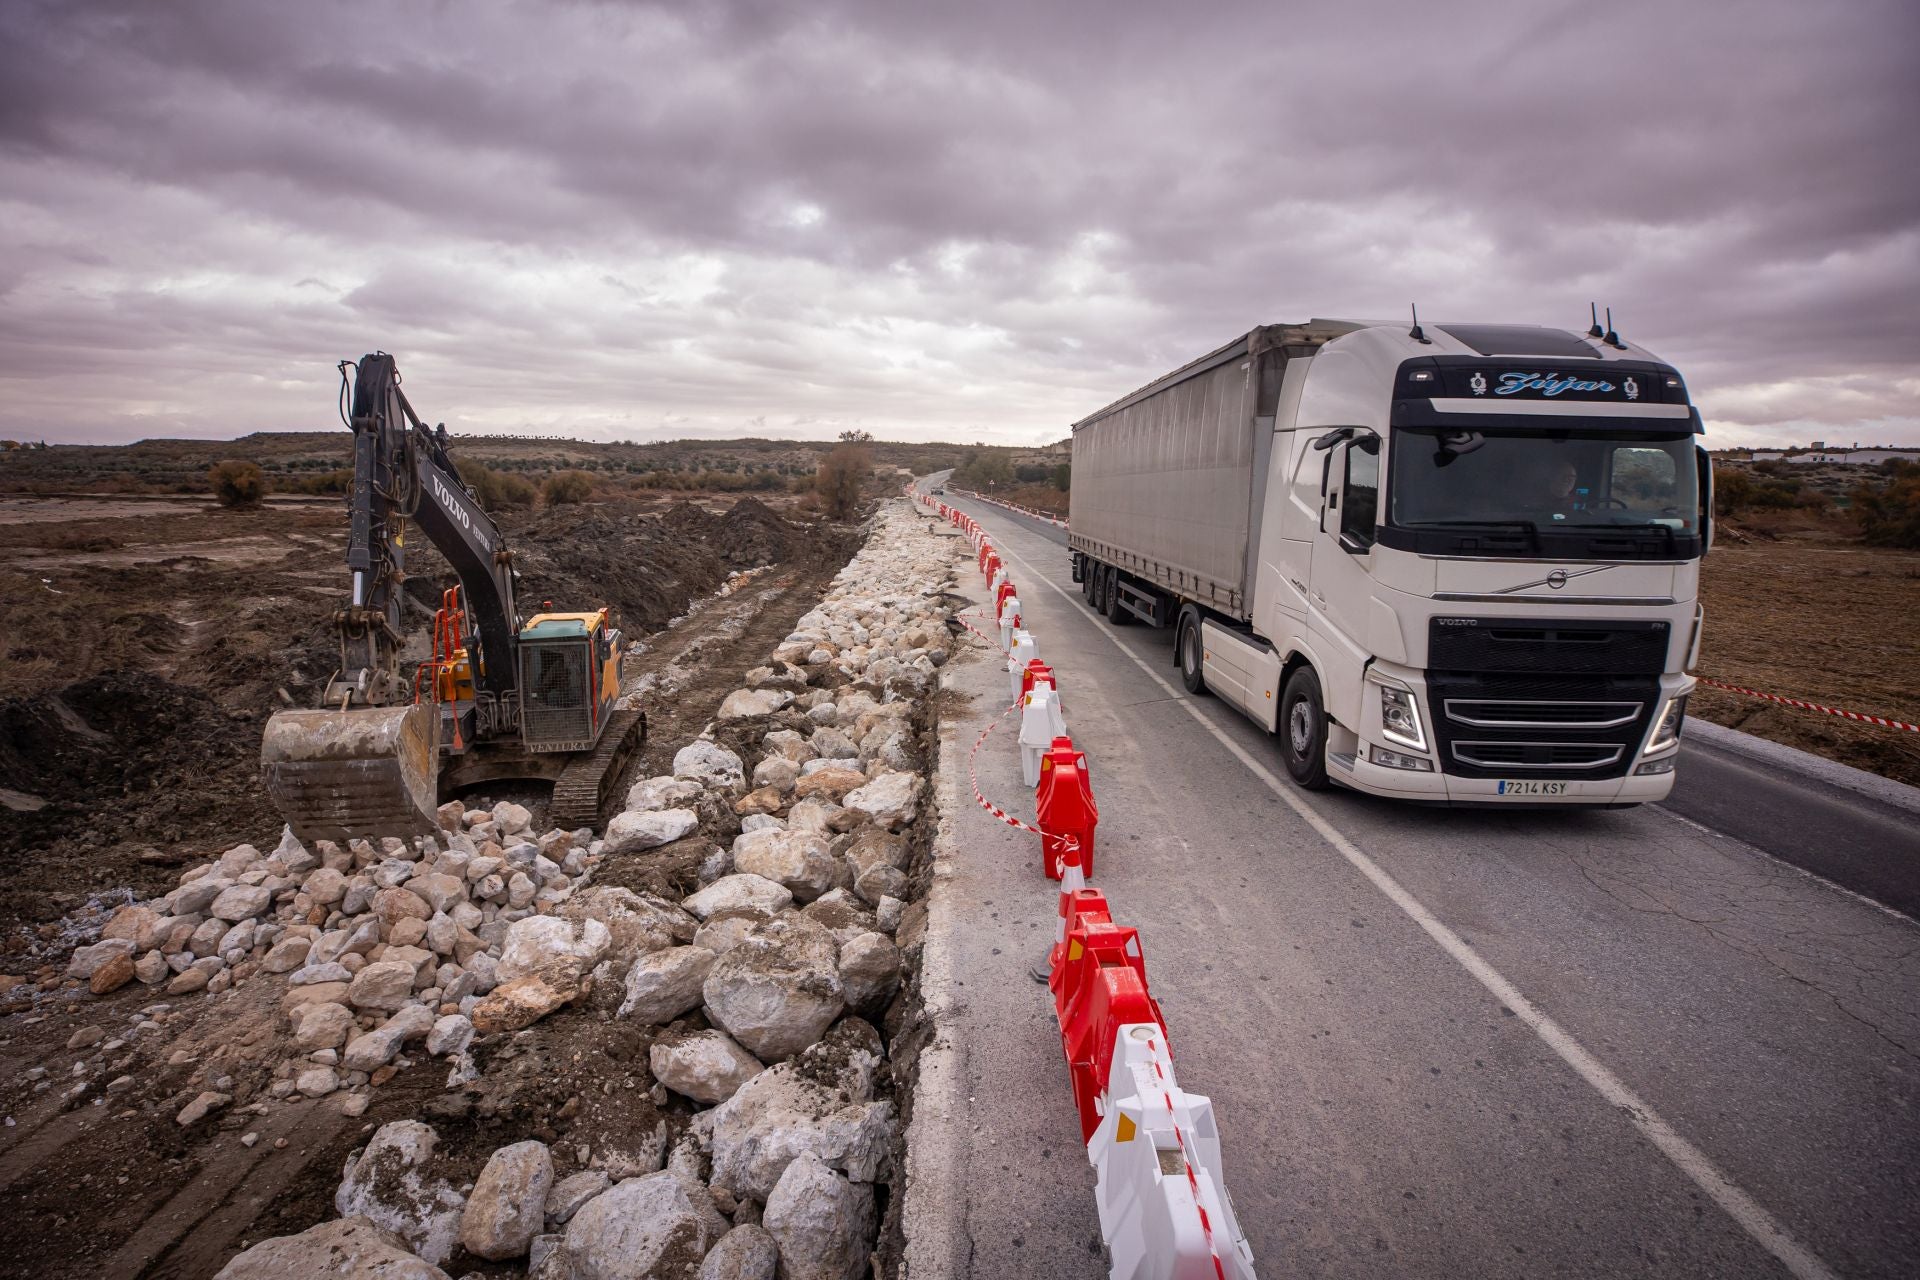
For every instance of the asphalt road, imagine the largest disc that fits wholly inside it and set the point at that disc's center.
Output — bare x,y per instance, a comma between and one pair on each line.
1439,1043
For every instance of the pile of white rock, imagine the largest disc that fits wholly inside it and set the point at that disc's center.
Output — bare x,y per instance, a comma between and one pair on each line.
381,946
786,953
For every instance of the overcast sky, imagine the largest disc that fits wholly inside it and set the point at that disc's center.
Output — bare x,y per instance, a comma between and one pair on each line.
972,221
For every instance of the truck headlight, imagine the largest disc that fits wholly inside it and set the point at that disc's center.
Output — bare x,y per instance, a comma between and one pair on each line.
1400,718
1666,733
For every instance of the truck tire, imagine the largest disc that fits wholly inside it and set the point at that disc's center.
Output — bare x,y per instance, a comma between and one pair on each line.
1187,648
1096,581
1088,572
1303,729
1116,612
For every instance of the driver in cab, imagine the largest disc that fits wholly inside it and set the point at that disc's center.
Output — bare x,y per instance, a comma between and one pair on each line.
1560,490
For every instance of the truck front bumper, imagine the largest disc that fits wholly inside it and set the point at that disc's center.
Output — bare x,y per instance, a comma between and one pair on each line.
1441,788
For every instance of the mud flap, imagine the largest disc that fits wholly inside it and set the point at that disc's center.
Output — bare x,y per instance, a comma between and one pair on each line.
362,774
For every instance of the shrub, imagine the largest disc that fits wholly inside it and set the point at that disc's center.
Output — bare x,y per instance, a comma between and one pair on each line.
839,480
496,490
1889,512
326,482
1063,477
566,487
236,483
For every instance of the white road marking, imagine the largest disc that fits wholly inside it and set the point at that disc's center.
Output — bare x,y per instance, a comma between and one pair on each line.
1689,1159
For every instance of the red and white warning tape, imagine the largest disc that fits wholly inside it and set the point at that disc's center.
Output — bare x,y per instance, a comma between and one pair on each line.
1860,716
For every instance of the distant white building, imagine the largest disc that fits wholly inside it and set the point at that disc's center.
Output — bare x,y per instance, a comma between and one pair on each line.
1822,453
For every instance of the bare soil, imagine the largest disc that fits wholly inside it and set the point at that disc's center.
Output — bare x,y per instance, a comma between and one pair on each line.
1816,617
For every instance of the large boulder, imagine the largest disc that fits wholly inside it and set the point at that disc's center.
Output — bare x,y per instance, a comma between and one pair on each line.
892,800
384,984
779,990
744,704
870,967
638,922
745,1253
707,1066
740,892
799,860
832,782
389,1184
663,792
375,1049
709,763
507,1207
556,946
516,1005
822,1222
820,1103
638,830
87,961
642,1229
662,985
348,1248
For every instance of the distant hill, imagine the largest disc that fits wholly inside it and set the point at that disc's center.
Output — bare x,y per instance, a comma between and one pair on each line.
307,461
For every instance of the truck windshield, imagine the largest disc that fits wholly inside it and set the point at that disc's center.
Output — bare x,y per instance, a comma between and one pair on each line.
1542,480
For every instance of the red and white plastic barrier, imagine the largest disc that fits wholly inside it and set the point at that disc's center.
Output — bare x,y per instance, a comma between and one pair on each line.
1164,1209
1030,512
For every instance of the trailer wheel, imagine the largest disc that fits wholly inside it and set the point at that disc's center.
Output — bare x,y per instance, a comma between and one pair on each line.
1191,672
1116,611
1303,729
1096,586
1088,572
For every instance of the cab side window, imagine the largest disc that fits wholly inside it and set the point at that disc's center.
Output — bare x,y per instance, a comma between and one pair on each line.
1360,496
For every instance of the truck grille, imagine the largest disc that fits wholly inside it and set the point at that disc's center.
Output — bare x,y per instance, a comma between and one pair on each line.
1500,756
1488,713
1569,697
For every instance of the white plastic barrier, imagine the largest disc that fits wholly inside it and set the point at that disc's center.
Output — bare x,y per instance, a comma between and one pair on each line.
1163,1207
1023,650
1040,723
1009,610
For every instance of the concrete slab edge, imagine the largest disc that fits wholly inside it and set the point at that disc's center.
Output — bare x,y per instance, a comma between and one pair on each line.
1897,794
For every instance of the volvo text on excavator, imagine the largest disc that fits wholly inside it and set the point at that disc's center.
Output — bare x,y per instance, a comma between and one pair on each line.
501,698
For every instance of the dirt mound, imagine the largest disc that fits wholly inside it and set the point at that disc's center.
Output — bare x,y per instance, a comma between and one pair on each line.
650,568
120,759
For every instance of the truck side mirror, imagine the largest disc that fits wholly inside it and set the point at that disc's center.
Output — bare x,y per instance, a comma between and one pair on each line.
1703,463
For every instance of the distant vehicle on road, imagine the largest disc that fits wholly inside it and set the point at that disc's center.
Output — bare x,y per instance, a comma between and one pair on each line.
938,493
1456,563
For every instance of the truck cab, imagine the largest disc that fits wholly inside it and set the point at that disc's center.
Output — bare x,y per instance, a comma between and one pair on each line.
1481,545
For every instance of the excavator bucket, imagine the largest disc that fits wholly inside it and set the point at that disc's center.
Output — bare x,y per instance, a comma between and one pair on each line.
362,774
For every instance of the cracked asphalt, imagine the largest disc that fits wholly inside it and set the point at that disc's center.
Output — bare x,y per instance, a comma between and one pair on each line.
1382,1111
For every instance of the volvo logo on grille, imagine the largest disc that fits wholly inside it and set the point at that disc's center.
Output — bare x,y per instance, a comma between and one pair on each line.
1557,579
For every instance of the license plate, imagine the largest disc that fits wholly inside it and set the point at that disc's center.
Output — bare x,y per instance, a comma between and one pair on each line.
1530,787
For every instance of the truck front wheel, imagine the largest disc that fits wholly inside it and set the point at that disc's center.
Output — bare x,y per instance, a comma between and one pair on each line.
1303,729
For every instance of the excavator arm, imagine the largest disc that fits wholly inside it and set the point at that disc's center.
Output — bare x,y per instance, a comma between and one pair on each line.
367,761
403,474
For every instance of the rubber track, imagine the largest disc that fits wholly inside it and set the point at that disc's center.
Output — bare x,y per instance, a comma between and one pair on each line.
580,795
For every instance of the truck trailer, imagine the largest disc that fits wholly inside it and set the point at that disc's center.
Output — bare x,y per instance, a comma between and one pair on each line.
1455,563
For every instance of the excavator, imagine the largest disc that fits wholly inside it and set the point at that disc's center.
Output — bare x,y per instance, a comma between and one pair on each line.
501,698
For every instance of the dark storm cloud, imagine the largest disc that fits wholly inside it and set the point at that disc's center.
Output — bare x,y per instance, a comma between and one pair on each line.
973,221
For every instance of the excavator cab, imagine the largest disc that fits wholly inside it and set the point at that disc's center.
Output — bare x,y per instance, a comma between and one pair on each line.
569,678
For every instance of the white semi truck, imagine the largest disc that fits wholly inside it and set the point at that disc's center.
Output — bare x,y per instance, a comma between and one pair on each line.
1455,564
